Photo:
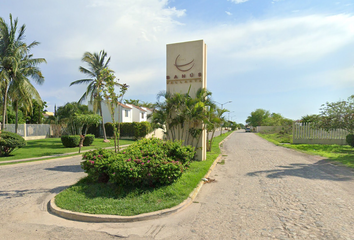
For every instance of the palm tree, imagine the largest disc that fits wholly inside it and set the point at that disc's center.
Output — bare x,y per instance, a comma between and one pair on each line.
22,92
16,64
97,62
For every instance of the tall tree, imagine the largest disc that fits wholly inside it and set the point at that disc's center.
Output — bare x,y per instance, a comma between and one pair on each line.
96,63
258,117
16,62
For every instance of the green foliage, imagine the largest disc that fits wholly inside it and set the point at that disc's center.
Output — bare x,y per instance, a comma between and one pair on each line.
337,115
70,141
17,65
258,117
74,116
89,138
135,129
9,142
310,118
138,103
127,130
350,139
35,116
85,120
96,164
182,115
148,162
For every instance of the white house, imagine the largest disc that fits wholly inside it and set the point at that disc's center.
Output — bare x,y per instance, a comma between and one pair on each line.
126,113
148,112
139,114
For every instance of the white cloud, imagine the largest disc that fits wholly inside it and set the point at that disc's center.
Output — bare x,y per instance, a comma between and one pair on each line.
228,13
238,1
299,39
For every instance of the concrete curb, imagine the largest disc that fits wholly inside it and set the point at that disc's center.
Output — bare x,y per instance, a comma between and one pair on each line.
85,217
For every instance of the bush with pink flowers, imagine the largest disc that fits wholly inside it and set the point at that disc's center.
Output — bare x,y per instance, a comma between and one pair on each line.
148,162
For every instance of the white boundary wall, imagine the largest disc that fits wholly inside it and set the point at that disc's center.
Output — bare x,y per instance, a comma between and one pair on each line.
31,131
305,134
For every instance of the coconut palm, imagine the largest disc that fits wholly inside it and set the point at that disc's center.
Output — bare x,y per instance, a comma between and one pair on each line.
21,91
16,64
96,63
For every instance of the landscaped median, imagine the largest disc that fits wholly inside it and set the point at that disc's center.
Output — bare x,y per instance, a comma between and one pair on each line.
107,202
53,148
343,154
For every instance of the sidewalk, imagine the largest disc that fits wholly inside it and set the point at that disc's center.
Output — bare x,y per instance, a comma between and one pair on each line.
54,156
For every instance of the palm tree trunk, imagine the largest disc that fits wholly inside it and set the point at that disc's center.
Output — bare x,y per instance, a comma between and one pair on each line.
4,108
103,128
16,119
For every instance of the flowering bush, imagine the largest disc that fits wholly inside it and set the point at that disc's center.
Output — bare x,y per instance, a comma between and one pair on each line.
148,162
96,164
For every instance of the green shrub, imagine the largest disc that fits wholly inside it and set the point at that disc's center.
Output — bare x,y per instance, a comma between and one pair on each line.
148,162
70,140
95,130
127,130
89,138
109,129
96,164
350,139
9,142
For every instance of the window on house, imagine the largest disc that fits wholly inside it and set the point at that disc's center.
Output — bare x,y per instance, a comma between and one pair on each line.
142,115
126,113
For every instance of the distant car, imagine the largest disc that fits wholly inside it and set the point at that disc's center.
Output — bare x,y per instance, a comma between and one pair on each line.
248,129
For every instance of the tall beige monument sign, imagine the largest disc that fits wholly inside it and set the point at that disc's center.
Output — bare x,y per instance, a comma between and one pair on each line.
186,71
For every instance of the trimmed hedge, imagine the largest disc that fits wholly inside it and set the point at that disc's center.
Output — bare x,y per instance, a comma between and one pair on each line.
350,139
70,141
134,129
89,138
9,141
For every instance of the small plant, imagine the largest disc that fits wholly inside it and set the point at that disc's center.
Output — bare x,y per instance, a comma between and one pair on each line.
70,140
9,142
350,139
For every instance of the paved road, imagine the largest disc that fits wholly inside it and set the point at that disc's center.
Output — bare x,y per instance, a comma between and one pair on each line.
262,192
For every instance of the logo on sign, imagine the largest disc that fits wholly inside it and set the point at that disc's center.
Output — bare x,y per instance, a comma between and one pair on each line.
184,67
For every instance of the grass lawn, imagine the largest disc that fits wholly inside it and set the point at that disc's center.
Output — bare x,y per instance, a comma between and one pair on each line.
53,146
101,198
339,153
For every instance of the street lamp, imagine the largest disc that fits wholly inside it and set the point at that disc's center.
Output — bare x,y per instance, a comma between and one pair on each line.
222,107
222,104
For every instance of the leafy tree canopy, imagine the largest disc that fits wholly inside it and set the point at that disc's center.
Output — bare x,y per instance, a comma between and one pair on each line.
337,115
139,103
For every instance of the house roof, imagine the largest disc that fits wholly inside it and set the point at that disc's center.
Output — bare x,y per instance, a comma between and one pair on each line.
47,114
124,106
148,109
138,107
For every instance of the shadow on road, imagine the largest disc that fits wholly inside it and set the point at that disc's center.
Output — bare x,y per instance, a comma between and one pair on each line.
70,168
322,169
22,193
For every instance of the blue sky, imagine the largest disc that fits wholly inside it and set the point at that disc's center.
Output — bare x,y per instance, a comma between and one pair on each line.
285,56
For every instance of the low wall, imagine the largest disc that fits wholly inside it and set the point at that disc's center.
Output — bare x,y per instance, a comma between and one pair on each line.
34,137
157,133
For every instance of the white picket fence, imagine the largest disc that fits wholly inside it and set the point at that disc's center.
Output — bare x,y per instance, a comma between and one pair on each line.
307,134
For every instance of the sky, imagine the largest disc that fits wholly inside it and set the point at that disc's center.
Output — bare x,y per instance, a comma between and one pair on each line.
284,56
